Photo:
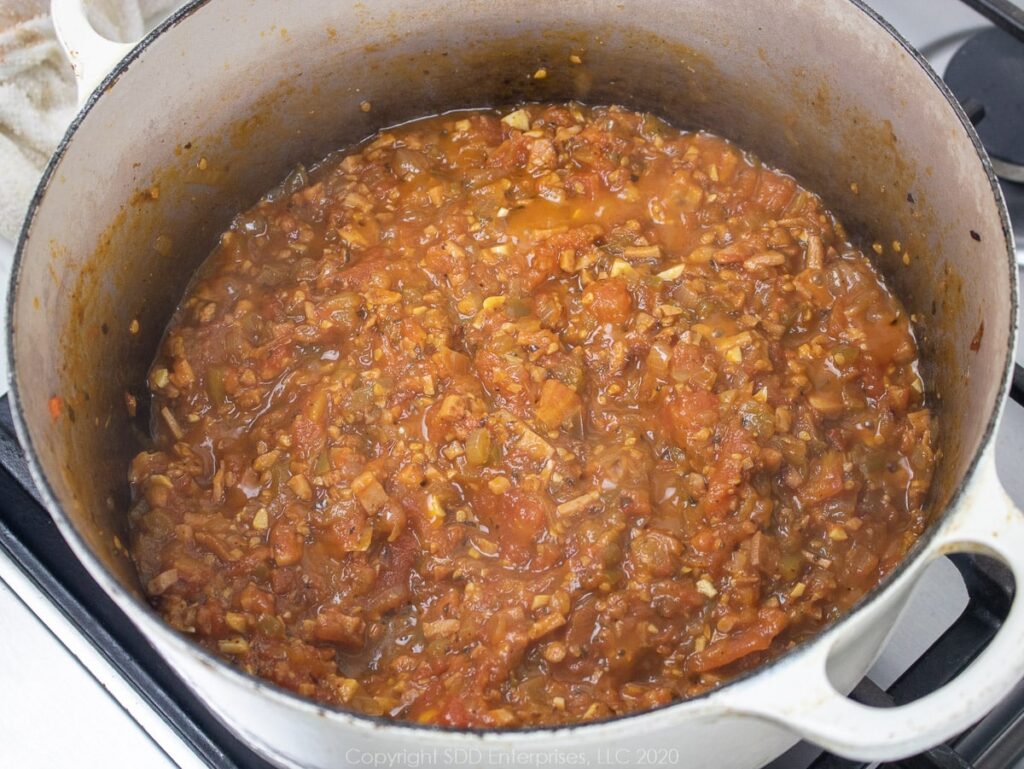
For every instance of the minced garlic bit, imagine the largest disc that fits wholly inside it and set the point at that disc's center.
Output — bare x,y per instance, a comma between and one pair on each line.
706,589
838,533
261,520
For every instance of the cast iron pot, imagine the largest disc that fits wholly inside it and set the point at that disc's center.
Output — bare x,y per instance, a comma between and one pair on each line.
217,104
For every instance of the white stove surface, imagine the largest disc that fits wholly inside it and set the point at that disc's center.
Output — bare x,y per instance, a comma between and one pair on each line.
63,705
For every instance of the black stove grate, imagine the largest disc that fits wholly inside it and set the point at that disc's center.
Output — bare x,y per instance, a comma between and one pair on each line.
29,537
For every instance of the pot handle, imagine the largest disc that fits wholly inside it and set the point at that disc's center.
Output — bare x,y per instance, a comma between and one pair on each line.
92,56
802,698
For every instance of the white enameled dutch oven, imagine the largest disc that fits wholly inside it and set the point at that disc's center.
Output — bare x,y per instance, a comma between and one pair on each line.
214,107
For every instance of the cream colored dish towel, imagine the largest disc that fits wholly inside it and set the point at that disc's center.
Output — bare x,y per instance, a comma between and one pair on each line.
37,89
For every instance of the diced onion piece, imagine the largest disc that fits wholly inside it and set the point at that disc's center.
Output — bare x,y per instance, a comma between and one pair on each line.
520,120
162,581
261,519
233,646
638,253
499,484
435,510
172,423
440,628
545,625
706,589
535,446
478,447
369,492
671,273
579,504
622,268
346,688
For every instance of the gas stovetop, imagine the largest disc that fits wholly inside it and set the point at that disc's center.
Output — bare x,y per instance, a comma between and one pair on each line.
119,705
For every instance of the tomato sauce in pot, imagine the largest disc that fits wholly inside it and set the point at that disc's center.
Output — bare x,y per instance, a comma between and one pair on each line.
530,417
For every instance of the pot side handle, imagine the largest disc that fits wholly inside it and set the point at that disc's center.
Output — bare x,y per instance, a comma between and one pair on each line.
803,699
92,56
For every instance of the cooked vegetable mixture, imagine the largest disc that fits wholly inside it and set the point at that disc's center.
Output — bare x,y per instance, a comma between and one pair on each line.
528,417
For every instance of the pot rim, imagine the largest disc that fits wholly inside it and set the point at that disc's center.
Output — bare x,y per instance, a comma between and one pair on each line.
132,605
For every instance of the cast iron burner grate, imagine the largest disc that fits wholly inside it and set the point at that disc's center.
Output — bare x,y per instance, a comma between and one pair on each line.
986,74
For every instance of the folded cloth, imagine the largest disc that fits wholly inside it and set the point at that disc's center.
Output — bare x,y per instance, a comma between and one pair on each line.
37,88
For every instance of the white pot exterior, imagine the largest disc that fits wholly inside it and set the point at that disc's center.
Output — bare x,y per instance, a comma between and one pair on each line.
251,87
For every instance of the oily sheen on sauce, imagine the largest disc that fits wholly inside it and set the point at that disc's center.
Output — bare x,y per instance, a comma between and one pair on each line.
527,417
